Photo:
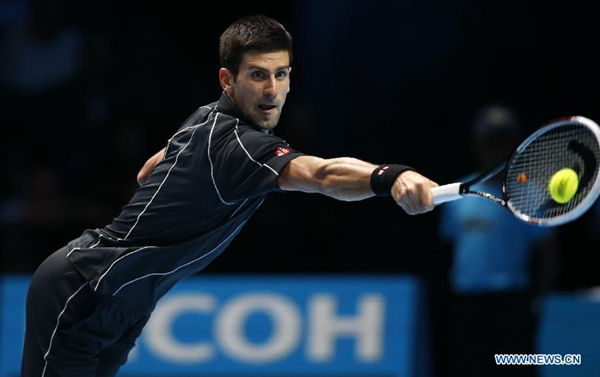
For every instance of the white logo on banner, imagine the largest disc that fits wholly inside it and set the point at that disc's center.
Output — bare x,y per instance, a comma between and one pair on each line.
159,334
323,327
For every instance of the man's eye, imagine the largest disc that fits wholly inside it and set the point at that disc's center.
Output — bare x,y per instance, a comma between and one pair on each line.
281,74
257,75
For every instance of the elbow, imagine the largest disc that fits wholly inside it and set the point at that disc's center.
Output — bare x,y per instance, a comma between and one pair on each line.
140,178
144,172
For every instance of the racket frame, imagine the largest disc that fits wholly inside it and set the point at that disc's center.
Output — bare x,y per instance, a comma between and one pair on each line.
458,190
589,199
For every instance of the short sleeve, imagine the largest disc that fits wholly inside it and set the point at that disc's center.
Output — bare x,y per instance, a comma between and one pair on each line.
249,163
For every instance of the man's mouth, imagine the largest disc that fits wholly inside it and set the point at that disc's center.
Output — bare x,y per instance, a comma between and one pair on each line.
266,107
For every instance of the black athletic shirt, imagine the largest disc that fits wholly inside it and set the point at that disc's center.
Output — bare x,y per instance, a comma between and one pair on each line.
217,169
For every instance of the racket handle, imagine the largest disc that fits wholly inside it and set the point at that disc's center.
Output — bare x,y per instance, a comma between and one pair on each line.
446,193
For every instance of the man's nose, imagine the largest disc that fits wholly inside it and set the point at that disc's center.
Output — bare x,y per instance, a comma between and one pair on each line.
271,87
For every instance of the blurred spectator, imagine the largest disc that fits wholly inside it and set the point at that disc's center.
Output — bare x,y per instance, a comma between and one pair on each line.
491,276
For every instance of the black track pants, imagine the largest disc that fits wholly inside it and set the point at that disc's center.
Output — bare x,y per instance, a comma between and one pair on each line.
70,329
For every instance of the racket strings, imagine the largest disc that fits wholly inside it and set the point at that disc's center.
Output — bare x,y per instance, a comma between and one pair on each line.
533,166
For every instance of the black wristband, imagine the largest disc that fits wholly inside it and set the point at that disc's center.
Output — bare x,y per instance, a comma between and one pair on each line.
384,176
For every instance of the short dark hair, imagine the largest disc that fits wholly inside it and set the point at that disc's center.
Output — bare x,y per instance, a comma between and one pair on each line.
252,33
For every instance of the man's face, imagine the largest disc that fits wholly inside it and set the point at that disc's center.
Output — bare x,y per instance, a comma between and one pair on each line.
261,86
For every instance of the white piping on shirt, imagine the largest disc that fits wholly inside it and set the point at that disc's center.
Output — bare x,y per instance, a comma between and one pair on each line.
183,265
248,154
195,125
56,327
91,247
118,259
212,174
168,173
238,208
188,127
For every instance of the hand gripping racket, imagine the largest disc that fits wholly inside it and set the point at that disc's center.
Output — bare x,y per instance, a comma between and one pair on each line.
571,142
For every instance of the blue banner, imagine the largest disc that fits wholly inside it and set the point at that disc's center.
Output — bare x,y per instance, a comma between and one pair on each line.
268,326
570,324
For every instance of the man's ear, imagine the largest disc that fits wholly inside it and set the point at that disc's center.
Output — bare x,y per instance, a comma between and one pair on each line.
226,79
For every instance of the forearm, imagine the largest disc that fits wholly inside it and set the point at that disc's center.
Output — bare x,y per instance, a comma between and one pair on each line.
346,178
343,178
349,179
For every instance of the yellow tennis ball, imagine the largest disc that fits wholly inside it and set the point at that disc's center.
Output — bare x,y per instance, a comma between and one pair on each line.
563,185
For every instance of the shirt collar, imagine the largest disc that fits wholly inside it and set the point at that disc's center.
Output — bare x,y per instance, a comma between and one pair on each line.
225,106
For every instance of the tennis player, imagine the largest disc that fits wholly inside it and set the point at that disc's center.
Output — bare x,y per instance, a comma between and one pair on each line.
88,302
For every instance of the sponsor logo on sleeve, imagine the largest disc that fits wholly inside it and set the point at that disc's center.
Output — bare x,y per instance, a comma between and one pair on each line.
282,151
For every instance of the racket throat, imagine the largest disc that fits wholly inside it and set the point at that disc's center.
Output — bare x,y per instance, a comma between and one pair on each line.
486,195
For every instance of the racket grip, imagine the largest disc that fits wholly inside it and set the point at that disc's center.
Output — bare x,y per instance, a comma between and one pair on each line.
446,193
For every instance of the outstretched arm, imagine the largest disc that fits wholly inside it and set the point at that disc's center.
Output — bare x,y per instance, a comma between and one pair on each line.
149,165
349,179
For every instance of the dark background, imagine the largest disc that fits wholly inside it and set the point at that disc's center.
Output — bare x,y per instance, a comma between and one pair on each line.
90,90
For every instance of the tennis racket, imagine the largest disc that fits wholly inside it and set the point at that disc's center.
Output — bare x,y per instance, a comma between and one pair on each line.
572,142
